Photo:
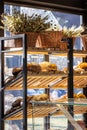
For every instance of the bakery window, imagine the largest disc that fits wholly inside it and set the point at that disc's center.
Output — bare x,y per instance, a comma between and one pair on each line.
16,61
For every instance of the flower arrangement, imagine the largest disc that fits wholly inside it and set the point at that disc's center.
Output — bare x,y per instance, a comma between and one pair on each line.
20,22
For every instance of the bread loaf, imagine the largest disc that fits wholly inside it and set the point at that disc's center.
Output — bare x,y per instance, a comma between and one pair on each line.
82,65
17,102
16,71
33,67
47,66
41,97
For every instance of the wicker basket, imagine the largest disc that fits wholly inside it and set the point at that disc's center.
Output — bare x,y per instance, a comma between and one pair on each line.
51,39
84,41
31,40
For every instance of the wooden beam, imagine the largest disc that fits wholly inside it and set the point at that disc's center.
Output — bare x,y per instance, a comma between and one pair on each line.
74,6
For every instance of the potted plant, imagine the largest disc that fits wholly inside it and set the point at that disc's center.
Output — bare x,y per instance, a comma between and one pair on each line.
40,31
22,23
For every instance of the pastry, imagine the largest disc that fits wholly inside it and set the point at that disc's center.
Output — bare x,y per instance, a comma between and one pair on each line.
33,67
9,79
17,102
82,65
79,70
47,66
65,70
75,96
81,95
41,97
16,71
52,67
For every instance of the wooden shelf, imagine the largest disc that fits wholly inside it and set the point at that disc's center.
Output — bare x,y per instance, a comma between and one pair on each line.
55,81
42,109
48,51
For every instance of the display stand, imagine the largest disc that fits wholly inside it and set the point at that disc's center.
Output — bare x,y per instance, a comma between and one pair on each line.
47,91
85,93
2,51
1,85
70,77
22,112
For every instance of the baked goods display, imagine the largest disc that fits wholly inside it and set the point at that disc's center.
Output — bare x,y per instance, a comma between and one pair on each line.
83,65
43,68
80,69
34,68
80,95
46,68
37,68
19,102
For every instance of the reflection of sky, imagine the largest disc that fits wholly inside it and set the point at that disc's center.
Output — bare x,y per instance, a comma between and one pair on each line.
67,19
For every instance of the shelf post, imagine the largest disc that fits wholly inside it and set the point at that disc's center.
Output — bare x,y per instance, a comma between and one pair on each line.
47,91
85,93
70,78
1,85
25,82
1,11
84,18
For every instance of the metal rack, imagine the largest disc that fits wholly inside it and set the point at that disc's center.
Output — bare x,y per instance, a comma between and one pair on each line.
55,81
2,51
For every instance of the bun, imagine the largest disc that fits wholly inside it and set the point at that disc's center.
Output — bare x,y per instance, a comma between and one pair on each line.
16,71
75,96
33,67
41,97
82,65
17,102
47,66
65,70
81,95
79,70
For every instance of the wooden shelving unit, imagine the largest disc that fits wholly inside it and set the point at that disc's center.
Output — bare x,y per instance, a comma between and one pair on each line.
57,80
